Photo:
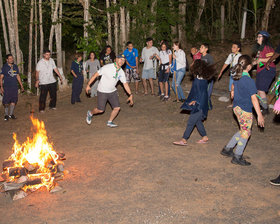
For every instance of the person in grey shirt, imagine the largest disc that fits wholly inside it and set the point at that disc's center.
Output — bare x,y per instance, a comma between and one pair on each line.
92,66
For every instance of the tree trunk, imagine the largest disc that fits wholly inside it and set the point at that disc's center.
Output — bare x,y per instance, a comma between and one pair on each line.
36,33
173,27
134,18
1,58
109,23
243,29
123,28
4,28
116,27
127,24
199,13
86,14
153,17
18,51
41,29
10,28
30,45
269,4
222,23
53,13
182,24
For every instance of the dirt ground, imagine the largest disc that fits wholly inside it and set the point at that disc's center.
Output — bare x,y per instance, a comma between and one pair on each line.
134,174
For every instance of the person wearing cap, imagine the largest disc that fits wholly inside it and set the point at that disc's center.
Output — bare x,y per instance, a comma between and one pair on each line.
106,90
263,52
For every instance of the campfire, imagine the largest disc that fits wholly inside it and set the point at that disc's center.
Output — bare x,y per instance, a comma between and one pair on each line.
33,164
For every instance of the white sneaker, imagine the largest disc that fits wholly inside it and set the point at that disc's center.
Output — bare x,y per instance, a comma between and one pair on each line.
89,117
111,124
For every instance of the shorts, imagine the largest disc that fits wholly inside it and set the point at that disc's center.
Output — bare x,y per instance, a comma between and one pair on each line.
131,75
112,98
163,76
10,95
148,74
230,82
265,78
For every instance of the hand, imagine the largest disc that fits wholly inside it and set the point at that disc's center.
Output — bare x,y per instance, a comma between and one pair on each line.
141,60
87,89
174,56
37,84
276,112
255,62
2,90
261,121
167,70
192,103
267,66
22,89
151,57
220,75
130,100
61,81
137,70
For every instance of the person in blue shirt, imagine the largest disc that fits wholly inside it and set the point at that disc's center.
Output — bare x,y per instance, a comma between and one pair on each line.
9,79
131,69
78,79
243,93
198,101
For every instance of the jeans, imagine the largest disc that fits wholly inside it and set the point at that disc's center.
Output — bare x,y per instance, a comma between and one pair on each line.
44,89
210,88
77,86
195,120
179,77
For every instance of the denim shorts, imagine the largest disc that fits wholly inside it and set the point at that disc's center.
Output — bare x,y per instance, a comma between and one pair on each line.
148,74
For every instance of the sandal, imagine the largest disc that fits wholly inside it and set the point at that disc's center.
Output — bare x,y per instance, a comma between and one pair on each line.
181,143
201,141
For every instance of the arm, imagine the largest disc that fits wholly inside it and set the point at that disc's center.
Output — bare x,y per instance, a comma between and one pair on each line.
222,70
1,83
102,63
274,56
137,69
73,73
91,81
129,64
127,89
258,110
58,74
232,92
20,83
276,108
37,79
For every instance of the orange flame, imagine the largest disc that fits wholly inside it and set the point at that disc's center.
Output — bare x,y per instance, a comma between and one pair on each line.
39,153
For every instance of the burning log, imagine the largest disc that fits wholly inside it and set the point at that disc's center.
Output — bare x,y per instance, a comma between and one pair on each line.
7,164
33,182
29,167
17,171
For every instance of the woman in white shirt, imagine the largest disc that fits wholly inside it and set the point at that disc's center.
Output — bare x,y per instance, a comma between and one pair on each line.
180,57
165,58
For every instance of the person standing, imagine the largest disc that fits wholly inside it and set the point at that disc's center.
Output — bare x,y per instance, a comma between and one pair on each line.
181,63
107,56
106,90
46,81
131,69
92,66
9,77
78,78
263,52
148,56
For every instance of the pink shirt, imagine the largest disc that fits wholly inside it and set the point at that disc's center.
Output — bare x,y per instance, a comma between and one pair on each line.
277,105
267,52
197,56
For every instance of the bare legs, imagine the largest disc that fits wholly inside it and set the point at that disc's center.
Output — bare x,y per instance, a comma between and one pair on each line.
146,86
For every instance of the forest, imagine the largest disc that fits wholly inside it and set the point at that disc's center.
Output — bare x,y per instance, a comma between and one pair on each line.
68,26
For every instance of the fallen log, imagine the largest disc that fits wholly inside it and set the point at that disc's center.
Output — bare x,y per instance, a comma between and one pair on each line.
19,195
17,171
12,186
8,163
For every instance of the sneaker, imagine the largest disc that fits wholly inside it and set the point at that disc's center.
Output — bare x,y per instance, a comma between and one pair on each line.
89,117
276,181
111,124
165,99
12,117
6,118
42,111
227,152
52,108
161,97
239,160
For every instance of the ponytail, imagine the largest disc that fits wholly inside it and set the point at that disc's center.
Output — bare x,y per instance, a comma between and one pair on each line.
243,62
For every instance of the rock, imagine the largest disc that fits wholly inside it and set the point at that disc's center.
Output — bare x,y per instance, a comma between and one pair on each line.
56,189
19,195
223,99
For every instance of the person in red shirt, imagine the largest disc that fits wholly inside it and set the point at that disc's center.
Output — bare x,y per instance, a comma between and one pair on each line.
263,52
195,54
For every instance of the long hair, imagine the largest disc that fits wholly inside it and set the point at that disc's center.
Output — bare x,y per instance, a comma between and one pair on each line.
257,47
243,63
202,69
92,52
112,54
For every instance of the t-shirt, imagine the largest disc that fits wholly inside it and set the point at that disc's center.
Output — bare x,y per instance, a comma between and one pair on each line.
93,66
130,56
232,59
181,61
45,69
267,52
164,56
77,67
244,88
277,50
146,54
197,56
208,59
109,78
107,59
10,75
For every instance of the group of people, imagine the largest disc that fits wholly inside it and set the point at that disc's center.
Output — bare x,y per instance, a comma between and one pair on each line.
104,74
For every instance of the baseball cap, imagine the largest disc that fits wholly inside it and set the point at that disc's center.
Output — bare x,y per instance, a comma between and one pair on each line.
264,33
121,56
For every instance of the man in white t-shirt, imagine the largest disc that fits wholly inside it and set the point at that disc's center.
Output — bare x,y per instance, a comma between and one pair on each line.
46,81
107,91
148,56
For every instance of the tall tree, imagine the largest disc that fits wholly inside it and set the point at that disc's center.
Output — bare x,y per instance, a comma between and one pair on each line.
201,5
18,50
4,28
53,14
127,24
182,22
10,28
1,58
30,44
109,23
86,17
36,33
116,28
153,17
269,4
41,28
174,25
123,28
